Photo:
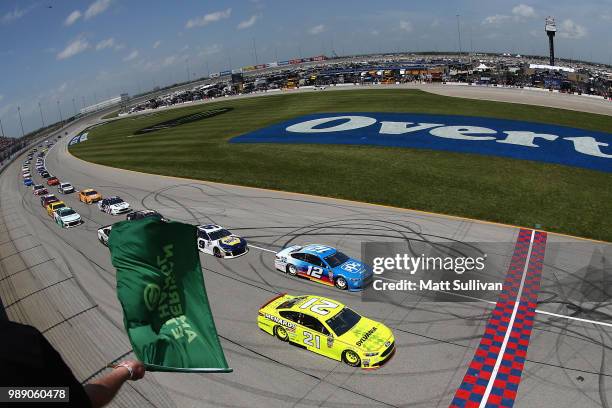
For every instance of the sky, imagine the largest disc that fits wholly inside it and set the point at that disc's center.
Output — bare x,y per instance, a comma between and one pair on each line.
65,55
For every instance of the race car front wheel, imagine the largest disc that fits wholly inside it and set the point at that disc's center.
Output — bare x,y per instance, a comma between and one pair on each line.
281,333
351,358
291,270
217,253
341,283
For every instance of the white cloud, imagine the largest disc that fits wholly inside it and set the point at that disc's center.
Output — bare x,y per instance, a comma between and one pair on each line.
208,18
97,7
248,23
169,60
62,88
119,47
406,26
569,29
109,42
523,10
318,29
75,47
132,55
209,50
156,44
16,14
72,18
496,19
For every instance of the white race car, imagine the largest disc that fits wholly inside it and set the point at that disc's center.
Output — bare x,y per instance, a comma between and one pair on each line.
65,188
114,206
66,217
104,234
216,240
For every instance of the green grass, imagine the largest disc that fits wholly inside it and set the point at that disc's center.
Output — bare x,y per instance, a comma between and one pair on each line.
113,114
559,198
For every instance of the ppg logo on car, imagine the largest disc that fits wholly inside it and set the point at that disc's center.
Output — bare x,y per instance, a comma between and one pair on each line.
487,136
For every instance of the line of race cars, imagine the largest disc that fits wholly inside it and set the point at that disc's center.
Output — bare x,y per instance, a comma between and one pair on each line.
317,324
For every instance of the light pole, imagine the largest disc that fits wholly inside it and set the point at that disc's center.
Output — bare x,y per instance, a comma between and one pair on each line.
1,128
459,36
74,106
20,121
42,120
60,111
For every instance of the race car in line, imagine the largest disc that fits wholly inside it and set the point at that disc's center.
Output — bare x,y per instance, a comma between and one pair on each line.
327,327
216,240
48,199
54,206
27,182
65,188
104,234
39,189
66,217
114,205
137,215
323,264
89,196
26,174
53,181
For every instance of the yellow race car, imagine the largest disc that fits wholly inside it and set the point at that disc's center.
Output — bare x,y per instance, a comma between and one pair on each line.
327,327
54,206
89,196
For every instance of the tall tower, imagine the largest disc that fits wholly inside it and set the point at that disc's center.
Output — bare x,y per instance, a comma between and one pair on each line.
551,29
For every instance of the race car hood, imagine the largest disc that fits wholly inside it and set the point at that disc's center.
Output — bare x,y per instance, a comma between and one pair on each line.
368,335
231,241
119,206
351,268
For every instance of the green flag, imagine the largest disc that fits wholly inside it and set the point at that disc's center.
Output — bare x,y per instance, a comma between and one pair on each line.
161,289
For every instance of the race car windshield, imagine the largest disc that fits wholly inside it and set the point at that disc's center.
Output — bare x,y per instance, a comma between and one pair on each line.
288,304
336,259
343,321
67,212
91,193
115,200
222,233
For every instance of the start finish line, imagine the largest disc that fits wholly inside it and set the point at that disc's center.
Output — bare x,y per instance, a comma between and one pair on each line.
487,136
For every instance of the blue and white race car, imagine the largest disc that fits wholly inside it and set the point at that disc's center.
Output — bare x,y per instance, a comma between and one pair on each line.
216,240
323,264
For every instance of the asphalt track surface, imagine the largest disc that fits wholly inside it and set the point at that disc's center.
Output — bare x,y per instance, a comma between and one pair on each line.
62,282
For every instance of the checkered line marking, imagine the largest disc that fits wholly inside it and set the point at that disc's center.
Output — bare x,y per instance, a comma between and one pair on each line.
505,385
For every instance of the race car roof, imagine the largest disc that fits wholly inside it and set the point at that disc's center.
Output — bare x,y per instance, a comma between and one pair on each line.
319,250
296,306
210,227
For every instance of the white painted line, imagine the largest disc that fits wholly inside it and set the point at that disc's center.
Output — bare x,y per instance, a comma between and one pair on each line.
502,350
261,249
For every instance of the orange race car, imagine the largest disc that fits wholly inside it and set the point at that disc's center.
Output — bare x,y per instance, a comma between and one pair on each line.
89,196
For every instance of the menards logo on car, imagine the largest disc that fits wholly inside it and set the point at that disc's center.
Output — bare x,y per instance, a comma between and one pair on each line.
488,136
279,321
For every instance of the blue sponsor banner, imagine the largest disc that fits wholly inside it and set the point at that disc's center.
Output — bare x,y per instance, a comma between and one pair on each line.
78,139
486,136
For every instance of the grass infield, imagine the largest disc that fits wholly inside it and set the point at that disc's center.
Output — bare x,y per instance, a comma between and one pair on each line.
558,198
